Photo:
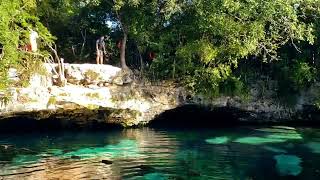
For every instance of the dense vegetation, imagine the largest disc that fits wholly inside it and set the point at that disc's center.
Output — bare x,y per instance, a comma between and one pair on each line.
17,17
212,46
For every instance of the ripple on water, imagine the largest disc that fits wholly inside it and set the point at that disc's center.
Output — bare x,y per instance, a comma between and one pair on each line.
125,148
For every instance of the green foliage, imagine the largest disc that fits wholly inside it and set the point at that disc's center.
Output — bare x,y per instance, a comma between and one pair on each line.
27,67
77,25
4,82
303,75
17,17
91,75
233,86
207,80
202,50
296,76
207,41
93,106
93,95
200,43
52,101
318,104
5,98
242,28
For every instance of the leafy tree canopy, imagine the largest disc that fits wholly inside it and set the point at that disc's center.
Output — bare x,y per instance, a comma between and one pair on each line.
203,43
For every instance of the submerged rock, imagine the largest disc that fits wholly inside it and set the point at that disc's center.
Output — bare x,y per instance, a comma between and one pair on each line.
258,140
218,140
287,136
314,147
271,135
274,149
288,165
282,132
154,176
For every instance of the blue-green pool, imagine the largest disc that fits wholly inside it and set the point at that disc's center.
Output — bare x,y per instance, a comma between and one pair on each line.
276,152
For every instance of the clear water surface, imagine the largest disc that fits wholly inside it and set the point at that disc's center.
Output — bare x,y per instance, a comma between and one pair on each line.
239,153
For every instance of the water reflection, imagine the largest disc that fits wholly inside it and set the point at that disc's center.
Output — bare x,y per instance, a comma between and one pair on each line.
80,155
243,153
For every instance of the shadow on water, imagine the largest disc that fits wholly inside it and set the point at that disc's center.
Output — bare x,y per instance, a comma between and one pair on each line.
22,124
190,116
187,116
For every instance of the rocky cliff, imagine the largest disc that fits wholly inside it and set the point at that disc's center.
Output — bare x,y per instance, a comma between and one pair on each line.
93,94
108,95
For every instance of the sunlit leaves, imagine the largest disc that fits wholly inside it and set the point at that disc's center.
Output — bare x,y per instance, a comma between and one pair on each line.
210,34
202,49
118,4
17,17
249,27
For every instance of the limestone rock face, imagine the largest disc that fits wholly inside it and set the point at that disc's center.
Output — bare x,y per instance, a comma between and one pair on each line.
124,76
94,93
107,94
90,73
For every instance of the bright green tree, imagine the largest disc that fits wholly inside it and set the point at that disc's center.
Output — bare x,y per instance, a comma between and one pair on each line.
17,17
210,38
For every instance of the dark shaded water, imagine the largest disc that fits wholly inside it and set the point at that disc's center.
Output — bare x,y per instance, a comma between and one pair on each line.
237,153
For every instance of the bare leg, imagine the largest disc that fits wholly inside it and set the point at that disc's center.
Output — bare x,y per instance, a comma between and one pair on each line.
101,58
98,56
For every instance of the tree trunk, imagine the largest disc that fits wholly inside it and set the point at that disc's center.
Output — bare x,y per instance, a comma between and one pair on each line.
61,76
123,51
84,38
140,59
123,42
141,64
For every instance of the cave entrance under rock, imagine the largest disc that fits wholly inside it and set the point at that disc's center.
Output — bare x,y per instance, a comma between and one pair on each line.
199,116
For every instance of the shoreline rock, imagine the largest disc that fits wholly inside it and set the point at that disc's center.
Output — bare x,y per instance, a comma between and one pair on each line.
106,94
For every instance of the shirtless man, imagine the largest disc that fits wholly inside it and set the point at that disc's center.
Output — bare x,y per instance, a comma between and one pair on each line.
101,50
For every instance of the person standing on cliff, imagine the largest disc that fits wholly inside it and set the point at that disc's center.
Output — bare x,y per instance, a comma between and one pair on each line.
33,40
101,49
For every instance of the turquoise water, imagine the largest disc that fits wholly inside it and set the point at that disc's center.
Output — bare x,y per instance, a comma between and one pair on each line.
238,153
